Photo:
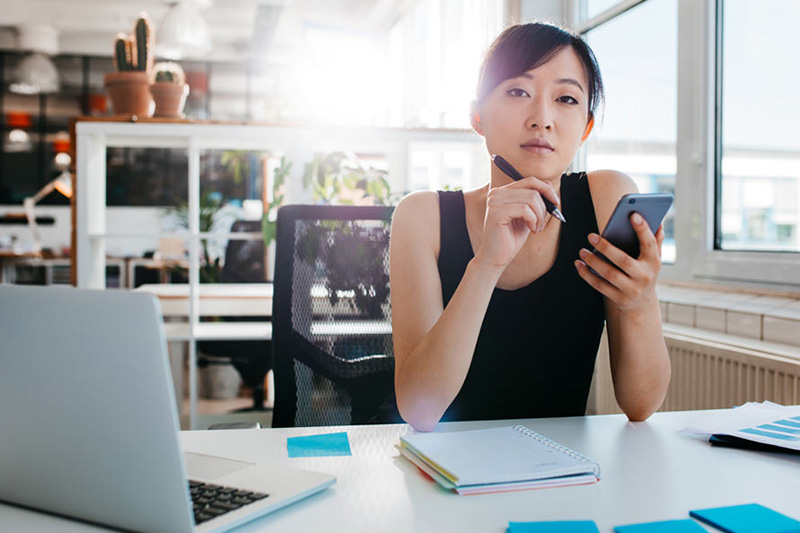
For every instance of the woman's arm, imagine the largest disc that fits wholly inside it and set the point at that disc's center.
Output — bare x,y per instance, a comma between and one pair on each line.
640,365
433,345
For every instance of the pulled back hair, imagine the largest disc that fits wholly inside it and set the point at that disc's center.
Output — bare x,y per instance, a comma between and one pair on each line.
524,47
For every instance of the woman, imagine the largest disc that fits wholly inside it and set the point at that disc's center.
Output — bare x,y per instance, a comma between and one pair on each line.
496,313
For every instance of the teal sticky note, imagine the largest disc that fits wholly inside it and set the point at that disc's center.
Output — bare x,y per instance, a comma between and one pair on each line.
666,526
750,518
569,526
326,444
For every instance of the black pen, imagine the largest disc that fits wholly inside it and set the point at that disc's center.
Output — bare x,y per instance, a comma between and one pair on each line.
514,174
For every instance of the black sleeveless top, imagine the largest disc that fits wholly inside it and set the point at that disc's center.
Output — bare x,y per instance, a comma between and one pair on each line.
537,346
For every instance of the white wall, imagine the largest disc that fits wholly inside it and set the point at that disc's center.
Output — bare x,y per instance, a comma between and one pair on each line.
119,220
55,236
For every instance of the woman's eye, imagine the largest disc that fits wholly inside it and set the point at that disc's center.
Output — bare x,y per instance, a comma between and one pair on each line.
567,100
517,92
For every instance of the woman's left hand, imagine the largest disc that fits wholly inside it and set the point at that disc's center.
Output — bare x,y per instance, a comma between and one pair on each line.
632,285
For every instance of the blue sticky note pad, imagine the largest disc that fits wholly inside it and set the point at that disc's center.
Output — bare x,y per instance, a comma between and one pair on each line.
324,445
570,526
750,518
667,526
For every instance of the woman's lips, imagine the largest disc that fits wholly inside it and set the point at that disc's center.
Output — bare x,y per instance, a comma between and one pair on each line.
537,146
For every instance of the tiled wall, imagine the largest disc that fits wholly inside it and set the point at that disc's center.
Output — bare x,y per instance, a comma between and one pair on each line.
761,317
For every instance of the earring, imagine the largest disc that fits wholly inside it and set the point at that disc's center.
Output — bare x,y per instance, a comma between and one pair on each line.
588,130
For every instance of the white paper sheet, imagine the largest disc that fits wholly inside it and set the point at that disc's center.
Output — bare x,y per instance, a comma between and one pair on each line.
765,422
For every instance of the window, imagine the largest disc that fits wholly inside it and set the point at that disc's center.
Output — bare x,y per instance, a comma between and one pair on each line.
595,7
637,131
439,45
699,100
760,141
444,165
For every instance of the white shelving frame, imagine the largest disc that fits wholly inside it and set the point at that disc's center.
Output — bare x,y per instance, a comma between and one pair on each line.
298,144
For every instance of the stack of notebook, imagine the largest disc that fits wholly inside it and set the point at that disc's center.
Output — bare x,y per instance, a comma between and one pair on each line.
497,460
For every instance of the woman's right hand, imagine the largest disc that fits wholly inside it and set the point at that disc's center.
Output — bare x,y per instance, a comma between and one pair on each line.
513,212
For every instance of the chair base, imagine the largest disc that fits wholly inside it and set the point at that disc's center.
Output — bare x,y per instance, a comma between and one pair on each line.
258,402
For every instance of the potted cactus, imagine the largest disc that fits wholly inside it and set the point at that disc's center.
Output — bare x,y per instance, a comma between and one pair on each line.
169,89
128,87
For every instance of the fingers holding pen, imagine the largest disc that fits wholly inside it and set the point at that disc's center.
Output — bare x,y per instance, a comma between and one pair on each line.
530,192
507,213
542,187
532,200
513,212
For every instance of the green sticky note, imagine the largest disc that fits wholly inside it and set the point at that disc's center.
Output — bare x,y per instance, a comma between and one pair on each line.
667,526
324,445
750,518
568,526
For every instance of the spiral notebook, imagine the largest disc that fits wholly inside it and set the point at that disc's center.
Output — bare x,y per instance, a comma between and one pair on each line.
497,460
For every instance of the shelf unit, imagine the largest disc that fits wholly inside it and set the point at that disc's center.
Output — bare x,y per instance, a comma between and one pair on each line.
93,137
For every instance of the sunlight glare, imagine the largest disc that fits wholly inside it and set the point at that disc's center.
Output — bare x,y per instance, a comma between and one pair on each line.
343,79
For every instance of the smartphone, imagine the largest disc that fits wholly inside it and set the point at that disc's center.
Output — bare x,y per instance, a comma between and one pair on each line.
619,232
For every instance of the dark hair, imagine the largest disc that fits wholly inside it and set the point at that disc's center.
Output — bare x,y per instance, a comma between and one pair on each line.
524,47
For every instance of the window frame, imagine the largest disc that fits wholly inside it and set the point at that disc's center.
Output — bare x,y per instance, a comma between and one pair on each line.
698,178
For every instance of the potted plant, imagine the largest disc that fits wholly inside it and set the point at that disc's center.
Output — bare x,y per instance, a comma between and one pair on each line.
214,216
269,223
340,178
169,89
128,87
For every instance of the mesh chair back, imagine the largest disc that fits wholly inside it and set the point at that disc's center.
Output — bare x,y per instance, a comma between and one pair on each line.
332,343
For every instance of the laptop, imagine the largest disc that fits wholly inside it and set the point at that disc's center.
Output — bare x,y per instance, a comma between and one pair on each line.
89,427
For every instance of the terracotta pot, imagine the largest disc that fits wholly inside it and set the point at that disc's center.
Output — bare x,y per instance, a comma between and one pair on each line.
169,98
129,92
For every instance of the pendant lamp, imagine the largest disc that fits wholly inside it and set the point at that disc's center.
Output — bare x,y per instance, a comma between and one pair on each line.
183,32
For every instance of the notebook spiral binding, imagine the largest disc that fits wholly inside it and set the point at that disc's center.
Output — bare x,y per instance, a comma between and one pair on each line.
561,448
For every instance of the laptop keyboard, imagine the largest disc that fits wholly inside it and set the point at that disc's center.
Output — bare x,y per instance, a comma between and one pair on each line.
210,501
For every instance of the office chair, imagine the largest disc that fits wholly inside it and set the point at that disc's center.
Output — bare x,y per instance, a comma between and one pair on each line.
331,323
244,263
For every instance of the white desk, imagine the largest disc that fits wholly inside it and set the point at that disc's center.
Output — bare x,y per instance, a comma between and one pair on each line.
221,299
649,472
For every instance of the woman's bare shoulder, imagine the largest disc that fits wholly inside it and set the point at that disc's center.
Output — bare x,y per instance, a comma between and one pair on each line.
417,214
607,187
610,184
418,205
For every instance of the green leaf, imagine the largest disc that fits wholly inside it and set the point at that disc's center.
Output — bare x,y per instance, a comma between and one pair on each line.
270,231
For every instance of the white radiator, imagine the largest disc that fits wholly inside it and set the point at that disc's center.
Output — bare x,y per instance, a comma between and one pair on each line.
711,375
710,372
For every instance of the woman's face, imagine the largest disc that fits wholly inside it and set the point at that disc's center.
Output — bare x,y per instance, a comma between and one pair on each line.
537,120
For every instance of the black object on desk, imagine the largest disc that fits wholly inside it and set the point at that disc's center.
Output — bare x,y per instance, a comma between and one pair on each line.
13,219
729,441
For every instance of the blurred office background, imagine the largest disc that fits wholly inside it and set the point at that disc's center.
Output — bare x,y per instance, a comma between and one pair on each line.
413,64
699,102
